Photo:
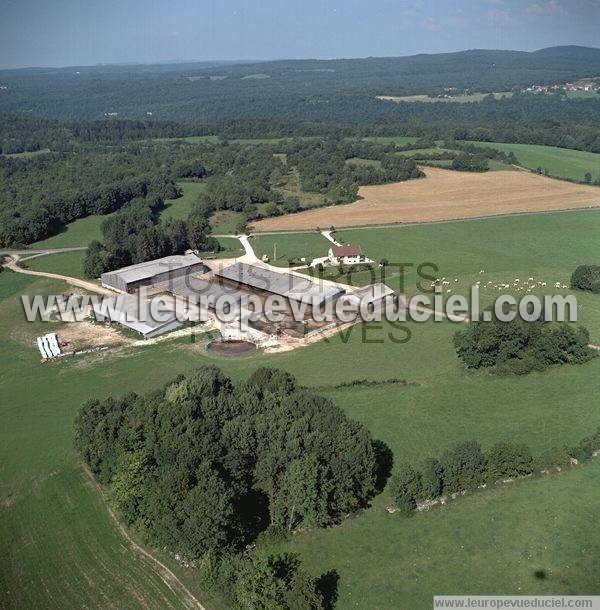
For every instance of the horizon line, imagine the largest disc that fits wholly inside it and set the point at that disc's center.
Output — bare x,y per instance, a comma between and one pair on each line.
239,61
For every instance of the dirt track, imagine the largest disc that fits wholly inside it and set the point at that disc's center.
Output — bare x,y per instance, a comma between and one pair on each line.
167,576
13,265
444,195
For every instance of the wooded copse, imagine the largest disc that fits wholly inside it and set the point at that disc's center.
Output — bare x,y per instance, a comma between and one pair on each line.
204,464
136,234
519,347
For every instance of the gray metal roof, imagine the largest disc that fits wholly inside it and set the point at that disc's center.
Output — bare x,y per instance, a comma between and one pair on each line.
192,288
282,283
125,309
149,269
374,291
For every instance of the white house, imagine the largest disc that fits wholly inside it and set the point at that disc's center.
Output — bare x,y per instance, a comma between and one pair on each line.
347,255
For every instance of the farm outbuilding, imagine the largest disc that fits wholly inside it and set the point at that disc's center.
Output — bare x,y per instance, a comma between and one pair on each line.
152,273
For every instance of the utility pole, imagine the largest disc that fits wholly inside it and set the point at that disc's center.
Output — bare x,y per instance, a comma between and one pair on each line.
274,251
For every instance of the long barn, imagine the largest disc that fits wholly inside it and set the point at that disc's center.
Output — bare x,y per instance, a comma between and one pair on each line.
152,273
293,287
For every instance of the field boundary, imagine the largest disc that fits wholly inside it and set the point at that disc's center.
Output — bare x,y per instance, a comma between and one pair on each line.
391,225
165,574
444,195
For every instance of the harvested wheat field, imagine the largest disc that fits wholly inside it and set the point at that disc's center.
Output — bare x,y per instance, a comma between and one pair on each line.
444,195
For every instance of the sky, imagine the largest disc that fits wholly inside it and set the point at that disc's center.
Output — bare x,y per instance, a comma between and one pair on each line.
87,32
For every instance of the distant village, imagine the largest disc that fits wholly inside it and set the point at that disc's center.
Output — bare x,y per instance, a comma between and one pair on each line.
584,85
588,84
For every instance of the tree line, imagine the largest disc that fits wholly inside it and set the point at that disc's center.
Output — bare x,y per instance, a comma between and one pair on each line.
20,134
136,234
466,467
40,195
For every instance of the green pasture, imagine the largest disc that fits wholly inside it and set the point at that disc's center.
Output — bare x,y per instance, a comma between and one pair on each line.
545,247
64,263
84,230
225,222
560,162
280,248
531,538
292,188
230,248
182,206
366,162
77,233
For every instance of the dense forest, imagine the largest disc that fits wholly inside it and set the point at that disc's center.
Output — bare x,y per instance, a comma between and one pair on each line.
20,134
331,91
40,194
57,109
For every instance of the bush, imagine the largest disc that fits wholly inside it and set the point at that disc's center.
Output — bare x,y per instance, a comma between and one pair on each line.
595,440
585,449
276,582
291,205
518,366
463,467
554,457
96,260
406,488
470,163
586,277
432,478
508,460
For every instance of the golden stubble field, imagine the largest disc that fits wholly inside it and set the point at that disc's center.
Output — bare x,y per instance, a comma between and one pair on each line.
444,195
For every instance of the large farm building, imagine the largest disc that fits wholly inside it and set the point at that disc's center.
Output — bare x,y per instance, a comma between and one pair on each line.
154,273
287,285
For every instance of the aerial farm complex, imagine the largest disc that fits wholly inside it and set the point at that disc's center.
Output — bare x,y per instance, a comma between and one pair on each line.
193,290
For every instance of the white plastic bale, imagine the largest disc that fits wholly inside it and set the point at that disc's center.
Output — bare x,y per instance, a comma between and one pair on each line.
41,347
53,342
